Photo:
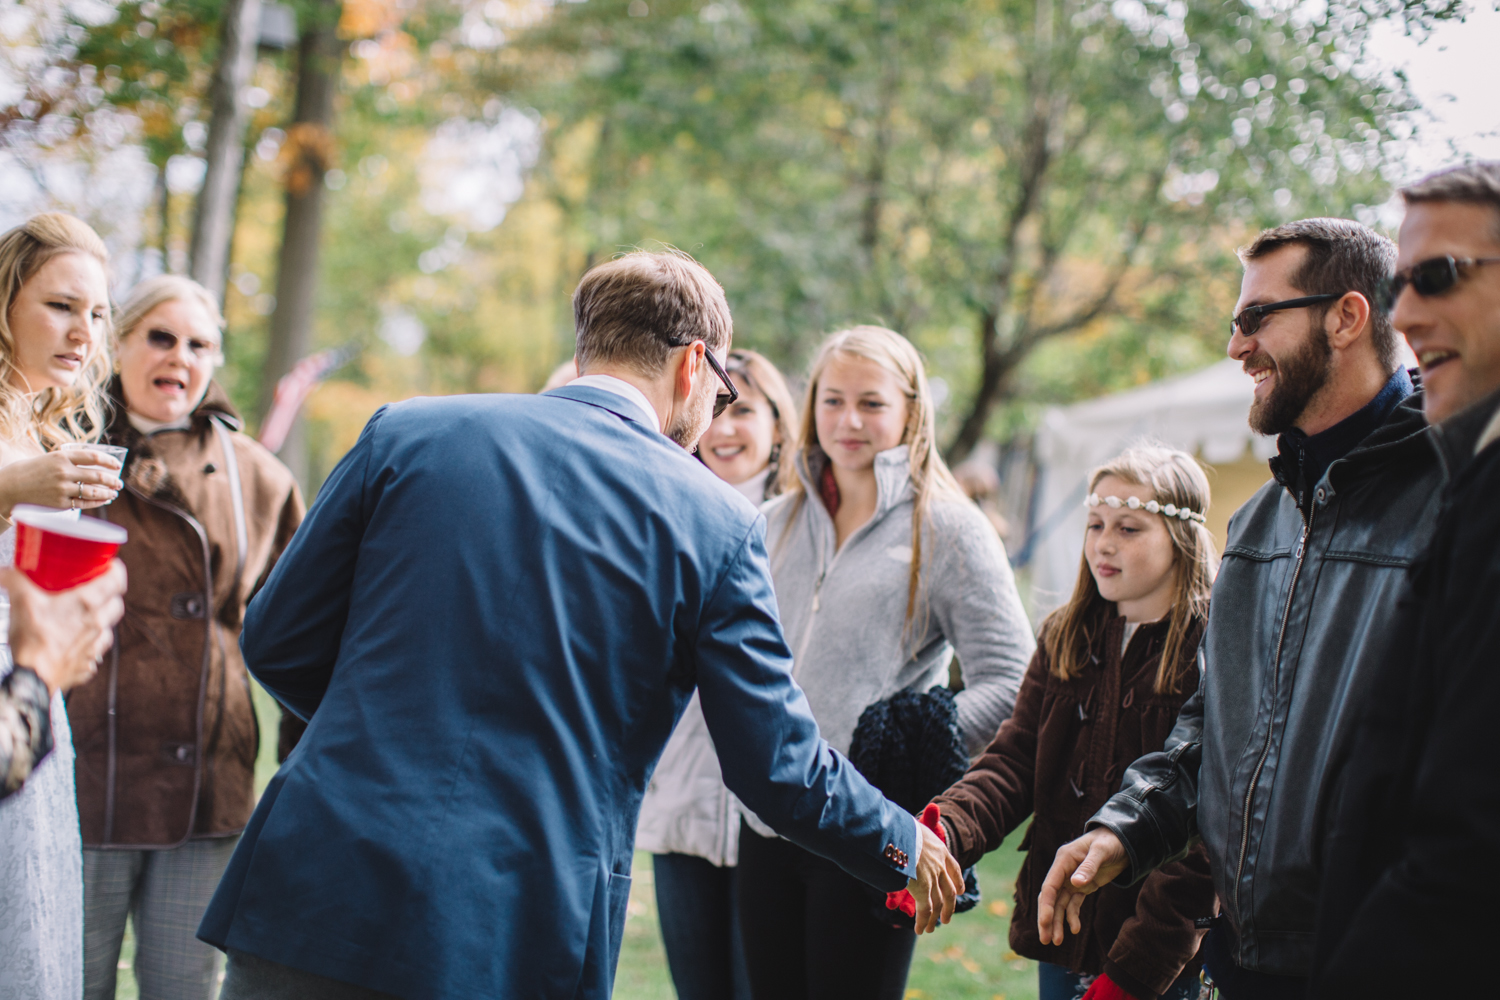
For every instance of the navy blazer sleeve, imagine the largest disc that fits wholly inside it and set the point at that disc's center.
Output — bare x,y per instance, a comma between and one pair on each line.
294,626
770,751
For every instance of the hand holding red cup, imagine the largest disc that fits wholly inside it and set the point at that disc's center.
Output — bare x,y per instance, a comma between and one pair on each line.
58,554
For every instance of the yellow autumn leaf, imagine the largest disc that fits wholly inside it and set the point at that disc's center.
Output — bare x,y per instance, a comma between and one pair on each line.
999,908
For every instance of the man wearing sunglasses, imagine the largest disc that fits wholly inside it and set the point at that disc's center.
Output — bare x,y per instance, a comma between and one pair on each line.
1408,906
492,617
1306,593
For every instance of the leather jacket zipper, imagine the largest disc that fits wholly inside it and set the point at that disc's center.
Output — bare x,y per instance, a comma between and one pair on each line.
1265,750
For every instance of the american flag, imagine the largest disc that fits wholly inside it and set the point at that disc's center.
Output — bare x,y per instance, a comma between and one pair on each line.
292,391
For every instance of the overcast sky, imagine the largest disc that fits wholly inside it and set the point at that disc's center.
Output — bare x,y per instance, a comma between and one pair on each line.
1456,76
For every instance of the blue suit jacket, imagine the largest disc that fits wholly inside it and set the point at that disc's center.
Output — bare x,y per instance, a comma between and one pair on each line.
493,616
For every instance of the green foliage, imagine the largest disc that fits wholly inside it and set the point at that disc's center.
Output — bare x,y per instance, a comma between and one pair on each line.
1020,170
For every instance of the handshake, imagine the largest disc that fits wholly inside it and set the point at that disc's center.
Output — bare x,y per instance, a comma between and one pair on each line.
930,897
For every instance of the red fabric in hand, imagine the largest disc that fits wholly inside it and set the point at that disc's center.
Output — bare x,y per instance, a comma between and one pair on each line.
1105,988
902,899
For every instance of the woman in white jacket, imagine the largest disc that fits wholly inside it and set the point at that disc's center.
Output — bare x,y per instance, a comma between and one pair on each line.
883,570
689,820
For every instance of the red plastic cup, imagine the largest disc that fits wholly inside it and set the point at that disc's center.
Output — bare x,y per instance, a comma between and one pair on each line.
57,553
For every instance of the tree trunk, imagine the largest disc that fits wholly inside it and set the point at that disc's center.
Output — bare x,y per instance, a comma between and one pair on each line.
163,216
213,221
311,145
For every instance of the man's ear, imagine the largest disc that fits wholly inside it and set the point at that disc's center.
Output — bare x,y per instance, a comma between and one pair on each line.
687,367
1347,320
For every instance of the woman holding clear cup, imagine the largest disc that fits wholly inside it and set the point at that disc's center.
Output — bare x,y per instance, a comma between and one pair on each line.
167,735
54,327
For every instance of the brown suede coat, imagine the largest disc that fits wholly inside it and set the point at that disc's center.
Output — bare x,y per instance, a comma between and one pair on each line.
166,733
1058,758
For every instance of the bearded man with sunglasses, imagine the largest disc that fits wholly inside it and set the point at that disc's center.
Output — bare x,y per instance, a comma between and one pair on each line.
1407,906
493,616
1306,594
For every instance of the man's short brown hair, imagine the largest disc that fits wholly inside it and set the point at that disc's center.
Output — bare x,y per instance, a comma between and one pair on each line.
1342,256
1475,183
635,309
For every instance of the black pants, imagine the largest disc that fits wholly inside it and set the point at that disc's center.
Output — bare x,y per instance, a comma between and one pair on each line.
810,931
700,927
1236,983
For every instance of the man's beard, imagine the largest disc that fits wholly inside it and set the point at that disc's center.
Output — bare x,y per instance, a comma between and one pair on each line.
691,421
1298,377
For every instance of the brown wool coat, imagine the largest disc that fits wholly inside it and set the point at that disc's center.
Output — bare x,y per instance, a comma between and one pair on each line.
175,676
1058,758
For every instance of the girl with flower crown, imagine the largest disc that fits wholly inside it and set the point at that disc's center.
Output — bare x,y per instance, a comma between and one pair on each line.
1112,668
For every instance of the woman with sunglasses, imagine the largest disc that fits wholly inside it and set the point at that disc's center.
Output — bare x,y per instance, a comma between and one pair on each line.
167,735
689,820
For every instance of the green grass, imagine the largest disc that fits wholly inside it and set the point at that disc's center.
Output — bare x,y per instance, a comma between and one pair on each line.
969,959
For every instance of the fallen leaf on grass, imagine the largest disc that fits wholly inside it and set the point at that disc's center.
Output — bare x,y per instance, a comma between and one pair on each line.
999,908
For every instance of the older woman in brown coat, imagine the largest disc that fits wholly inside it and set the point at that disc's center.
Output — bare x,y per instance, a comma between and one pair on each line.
166,734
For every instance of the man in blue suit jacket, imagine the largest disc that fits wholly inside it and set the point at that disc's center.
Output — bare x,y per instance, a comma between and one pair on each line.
492,617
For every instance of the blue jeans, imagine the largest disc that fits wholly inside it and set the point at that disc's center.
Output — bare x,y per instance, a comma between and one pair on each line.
1056,983
700,927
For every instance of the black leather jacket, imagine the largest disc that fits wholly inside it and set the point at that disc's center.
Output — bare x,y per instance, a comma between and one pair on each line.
1301,599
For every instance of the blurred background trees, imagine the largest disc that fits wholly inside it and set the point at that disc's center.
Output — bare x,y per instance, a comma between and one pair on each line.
1044,195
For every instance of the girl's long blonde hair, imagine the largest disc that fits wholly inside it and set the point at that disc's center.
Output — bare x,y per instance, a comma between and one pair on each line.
1070,633
54,416
930,477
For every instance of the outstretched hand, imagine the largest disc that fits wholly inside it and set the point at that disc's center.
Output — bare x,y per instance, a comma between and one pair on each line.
1080,867
938,884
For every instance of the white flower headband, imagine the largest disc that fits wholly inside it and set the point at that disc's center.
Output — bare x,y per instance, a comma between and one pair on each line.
1135,503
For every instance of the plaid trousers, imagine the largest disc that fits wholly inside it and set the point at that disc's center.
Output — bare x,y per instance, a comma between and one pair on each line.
164,894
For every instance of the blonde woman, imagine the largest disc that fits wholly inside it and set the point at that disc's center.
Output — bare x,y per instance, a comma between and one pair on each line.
54,326
689,820
883,570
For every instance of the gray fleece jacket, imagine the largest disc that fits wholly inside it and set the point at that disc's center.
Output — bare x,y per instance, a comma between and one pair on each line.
844,610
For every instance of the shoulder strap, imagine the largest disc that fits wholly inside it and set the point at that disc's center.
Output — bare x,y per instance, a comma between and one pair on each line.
236,496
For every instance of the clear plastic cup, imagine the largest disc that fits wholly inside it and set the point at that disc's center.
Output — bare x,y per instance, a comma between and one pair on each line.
112,450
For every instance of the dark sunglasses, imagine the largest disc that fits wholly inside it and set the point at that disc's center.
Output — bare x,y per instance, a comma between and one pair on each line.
723,400
166,340
1249,320
1428,277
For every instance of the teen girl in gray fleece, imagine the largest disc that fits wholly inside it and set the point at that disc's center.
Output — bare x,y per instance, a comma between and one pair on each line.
883,570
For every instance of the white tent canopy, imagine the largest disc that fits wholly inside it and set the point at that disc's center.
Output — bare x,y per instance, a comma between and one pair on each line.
1203,414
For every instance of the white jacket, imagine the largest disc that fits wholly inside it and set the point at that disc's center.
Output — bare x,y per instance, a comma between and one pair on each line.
687,808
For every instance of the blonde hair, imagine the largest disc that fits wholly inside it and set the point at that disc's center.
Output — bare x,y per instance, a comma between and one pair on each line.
748,368
159,290
60,415
930,478
1172,476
